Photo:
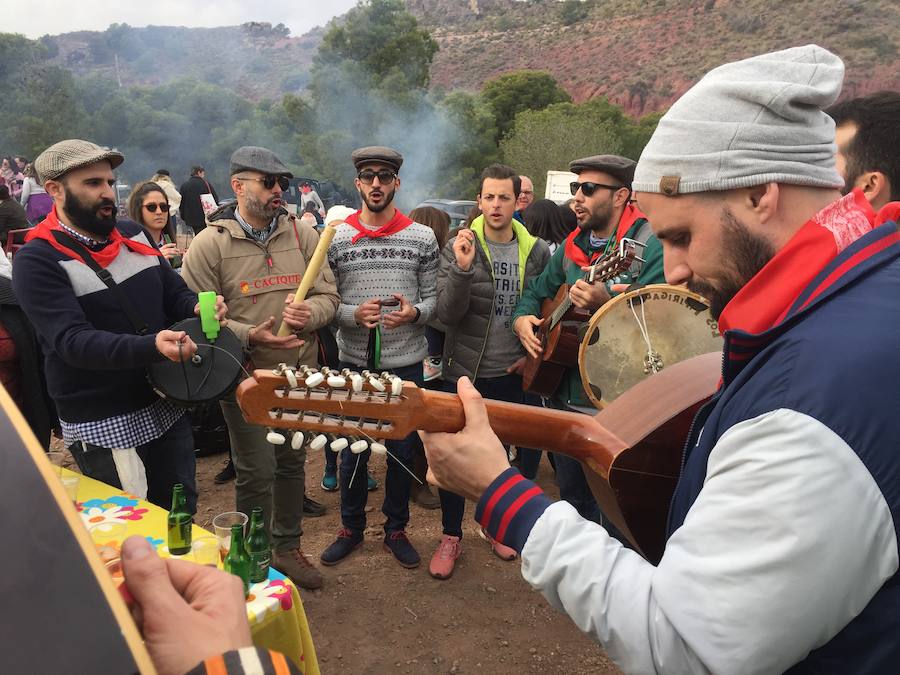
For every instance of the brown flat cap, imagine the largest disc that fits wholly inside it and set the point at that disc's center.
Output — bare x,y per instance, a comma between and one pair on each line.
65,156
377,154
620,167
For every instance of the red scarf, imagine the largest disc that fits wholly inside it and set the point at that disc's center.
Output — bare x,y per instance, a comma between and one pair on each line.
575,254
104,256
396,224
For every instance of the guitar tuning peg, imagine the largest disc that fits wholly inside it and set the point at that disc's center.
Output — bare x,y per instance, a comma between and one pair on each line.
318,442
357,381
345,372
378,449
279,369
275,438
339,444
336,381
359,447
376,384
314,380
291,377
396,386
297,440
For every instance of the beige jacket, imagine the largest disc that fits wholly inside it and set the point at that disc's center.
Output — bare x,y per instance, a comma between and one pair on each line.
255,279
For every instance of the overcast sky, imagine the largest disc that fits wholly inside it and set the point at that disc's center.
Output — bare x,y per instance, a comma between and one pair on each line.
34,19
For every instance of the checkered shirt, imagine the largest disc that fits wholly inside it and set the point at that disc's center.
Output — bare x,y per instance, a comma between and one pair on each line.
129,430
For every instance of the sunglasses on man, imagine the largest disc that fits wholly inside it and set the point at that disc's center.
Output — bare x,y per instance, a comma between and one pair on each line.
269,181
385,176
588,188
162,206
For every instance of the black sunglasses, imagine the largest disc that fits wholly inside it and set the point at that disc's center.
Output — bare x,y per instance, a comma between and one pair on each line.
163,206
588,188
384,176
269,181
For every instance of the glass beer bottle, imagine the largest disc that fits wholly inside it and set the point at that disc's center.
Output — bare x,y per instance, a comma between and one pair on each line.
258,549
179,523
236,560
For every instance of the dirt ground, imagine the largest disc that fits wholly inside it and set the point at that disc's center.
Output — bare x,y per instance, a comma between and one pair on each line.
374,616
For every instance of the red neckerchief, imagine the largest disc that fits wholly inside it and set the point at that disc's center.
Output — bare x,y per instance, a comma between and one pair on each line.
888,212
397,223
764,301
579,257
104,256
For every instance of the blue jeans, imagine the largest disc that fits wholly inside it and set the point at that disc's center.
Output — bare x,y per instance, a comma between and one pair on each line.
167,460
397,481
504,388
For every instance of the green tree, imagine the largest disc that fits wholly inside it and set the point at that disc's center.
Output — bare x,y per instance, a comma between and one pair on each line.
573,11
512,93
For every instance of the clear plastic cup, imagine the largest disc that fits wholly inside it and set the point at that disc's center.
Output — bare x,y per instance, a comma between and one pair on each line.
222,525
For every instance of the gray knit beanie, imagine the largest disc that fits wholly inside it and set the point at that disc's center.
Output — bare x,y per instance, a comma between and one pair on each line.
747,123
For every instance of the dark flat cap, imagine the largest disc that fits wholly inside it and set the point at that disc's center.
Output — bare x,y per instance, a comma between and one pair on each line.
620,167
65,156
377,154
253,158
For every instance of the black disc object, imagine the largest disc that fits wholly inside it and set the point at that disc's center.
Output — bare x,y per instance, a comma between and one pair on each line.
211,375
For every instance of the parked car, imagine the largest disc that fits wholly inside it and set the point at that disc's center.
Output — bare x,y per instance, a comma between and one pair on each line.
457,209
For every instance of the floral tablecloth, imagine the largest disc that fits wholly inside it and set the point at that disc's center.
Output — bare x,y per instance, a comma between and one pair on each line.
274,608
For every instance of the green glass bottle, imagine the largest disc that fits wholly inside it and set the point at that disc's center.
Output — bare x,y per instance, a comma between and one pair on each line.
257,544
236,560
179,523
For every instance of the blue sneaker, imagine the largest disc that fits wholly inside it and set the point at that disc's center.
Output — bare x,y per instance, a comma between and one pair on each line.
346,542
400,547
371,483
329,480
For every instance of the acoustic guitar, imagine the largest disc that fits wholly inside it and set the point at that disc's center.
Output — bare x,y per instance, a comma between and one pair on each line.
631,450
560,331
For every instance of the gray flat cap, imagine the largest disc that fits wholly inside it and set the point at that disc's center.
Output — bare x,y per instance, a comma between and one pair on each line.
377,154
620,167
65,156
254,158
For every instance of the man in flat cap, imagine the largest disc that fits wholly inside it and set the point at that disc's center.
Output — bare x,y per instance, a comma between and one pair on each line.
605,216
100,296
782,550
385,266
255,253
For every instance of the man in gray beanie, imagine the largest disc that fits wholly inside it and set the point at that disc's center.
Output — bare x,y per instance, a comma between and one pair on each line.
782,547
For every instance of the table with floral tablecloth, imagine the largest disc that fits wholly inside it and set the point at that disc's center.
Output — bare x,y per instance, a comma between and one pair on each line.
274,608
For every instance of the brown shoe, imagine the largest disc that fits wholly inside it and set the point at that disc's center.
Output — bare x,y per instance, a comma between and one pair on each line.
424,497
293,564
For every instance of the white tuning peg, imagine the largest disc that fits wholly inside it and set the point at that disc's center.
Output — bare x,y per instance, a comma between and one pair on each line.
339,444
376,384
336,381
291,377
297,440
318,442
358,447
357,382
396,386
275,438
378,449
315,380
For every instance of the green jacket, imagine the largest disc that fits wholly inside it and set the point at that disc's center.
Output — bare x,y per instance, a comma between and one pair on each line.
563,270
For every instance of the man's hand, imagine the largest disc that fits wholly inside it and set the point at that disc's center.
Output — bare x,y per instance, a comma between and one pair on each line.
221,309
464,249
296,317
175,345
406,313
524,327
263,335
186,612
588,296
368,314
468,461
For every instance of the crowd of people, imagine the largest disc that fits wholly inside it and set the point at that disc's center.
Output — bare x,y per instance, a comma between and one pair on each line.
783,542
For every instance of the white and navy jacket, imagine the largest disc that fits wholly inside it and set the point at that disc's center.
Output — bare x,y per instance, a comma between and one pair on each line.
783,541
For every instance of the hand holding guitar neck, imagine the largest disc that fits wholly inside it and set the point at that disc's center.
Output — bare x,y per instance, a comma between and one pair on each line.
588,295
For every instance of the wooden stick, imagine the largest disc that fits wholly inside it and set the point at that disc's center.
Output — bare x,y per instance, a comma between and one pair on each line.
312,271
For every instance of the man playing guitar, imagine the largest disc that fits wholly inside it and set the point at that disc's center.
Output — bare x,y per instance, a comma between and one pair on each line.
605,216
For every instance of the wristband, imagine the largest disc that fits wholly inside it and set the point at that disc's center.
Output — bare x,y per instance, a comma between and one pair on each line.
418,314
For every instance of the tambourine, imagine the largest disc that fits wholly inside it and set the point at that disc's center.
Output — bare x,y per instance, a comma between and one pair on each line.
210,375
639,333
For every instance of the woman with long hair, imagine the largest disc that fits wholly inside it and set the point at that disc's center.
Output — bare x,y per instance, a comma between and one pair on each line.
550,221
149,206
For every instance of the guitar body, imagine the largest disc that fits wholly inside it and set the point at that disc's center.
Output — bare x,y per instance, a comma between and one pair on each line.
543,375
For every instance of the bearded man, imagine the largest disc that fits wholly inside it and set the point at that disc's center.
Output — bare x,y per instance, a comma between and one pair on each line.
602,205
254,253
100,296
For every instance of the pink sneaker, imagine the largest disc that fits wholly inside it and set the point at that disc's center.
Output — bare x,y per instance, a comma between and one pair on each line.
500,550
444,558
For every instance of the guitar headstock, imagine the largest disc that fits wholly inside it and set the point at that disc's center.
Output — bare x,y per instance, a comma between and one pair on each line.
615,262
347,403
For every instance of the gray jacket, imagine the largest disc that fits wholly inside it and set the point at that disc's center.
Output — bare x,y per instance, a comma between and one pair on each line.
465,300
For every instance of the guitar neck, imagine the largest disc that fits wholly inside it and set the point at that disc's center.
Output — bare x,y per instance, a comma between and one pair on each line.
573,434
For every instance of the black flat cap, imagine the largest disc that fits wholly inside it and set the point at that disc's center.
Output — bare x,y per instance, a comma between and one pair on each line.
377,154
620,167
253,158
